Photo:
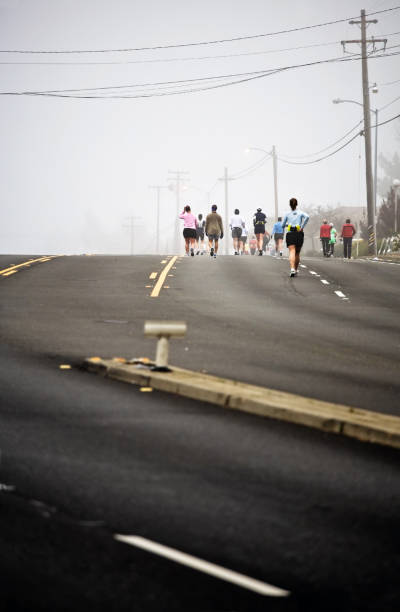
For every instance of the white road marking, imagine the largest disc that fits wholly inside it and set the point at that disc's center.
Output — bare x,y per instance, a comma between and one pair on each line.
312,272
303,266
325,282
263,588
340,294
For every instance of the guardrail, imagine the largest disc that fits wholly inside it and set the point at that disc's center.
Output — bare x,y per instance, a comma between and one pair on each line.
387,245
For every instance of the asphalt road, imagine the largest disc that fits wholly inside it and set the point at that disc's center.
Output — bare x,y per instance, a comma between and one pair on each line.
246,319
310,512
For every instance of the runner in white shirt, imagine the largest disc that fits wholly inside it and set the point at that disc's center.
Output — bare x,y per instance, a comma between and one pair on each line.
243,240
237,224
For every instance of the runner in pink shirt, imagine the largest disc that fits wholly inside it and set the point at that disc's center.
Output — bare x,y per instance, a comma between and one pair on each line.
189,229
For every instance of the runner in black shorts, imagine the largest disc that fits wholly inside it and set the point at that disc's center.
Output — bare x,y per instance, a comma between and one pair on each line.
259,221
200,234
295,221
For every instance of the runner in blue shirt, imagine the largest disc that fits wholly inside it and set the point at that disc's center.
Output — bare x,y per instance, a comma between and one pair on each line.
277,233
295,221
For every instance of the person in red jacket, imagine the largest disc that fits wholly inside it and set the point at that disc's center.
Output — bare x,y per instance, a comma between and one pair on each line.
347,233
325,236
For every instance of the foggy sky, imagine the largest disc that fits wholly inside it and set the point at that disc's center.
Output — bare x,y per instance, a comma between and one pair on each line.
72,171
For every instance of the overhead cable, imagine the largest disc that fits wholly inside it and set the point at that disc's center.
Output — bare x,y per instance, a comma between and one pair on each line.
79,93
325,148
183,59
195,44
286,161
314,161
252,168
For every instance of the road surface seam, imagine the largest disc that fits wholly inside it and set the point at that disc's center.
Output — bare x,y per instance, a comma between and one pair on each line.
354,422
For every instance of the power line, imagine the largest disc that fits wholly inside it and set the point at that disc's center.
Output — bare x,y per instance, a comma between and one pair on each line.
184,81
390,83
250,169
340,148
183,59
171,59
340,139
314,161
72,93
385,122
389,104
194,44
325,148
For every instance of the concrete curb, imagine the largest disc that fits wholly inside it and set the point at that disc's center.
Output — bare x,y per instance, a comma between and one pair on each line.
364,425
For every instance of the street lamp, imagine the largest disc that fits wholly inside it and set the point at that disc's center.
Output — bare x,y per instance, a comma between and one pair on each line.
396,186
275,165
373,110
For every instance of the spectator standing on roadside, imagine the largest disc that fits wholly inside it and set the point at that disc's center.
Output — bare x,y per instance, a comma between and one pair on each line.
347,233
214,230
259,221
296,220
189,229
325,236
277,233
236,224
332,240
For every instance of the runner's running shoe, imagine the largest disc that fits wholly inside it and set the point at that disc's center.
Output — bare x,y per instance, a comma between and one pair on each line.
212,251
292,273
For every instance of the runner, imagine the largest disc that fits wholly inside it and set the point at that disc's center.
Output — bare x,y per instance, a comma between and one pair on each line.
259,221
200,234
332,240
236,224
243,240
189,229
214,230
295,221
277,233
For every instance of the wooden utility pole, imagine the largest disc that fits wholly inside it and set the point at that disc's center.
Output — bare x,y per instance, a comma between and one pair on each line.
363,23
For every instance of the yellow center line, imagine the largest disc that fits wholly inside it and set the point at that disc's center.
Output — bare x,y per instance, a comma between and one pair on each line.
26,263
162,277
11,272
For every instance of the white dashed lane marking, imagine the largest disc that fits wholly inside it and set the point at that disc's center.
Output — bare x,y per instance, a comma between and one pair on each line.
325,282
340,294
263,588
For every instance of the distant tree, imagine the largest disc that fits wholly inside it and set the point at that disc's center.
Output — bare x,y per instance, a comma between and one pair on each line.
391,168
392,171
385,221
